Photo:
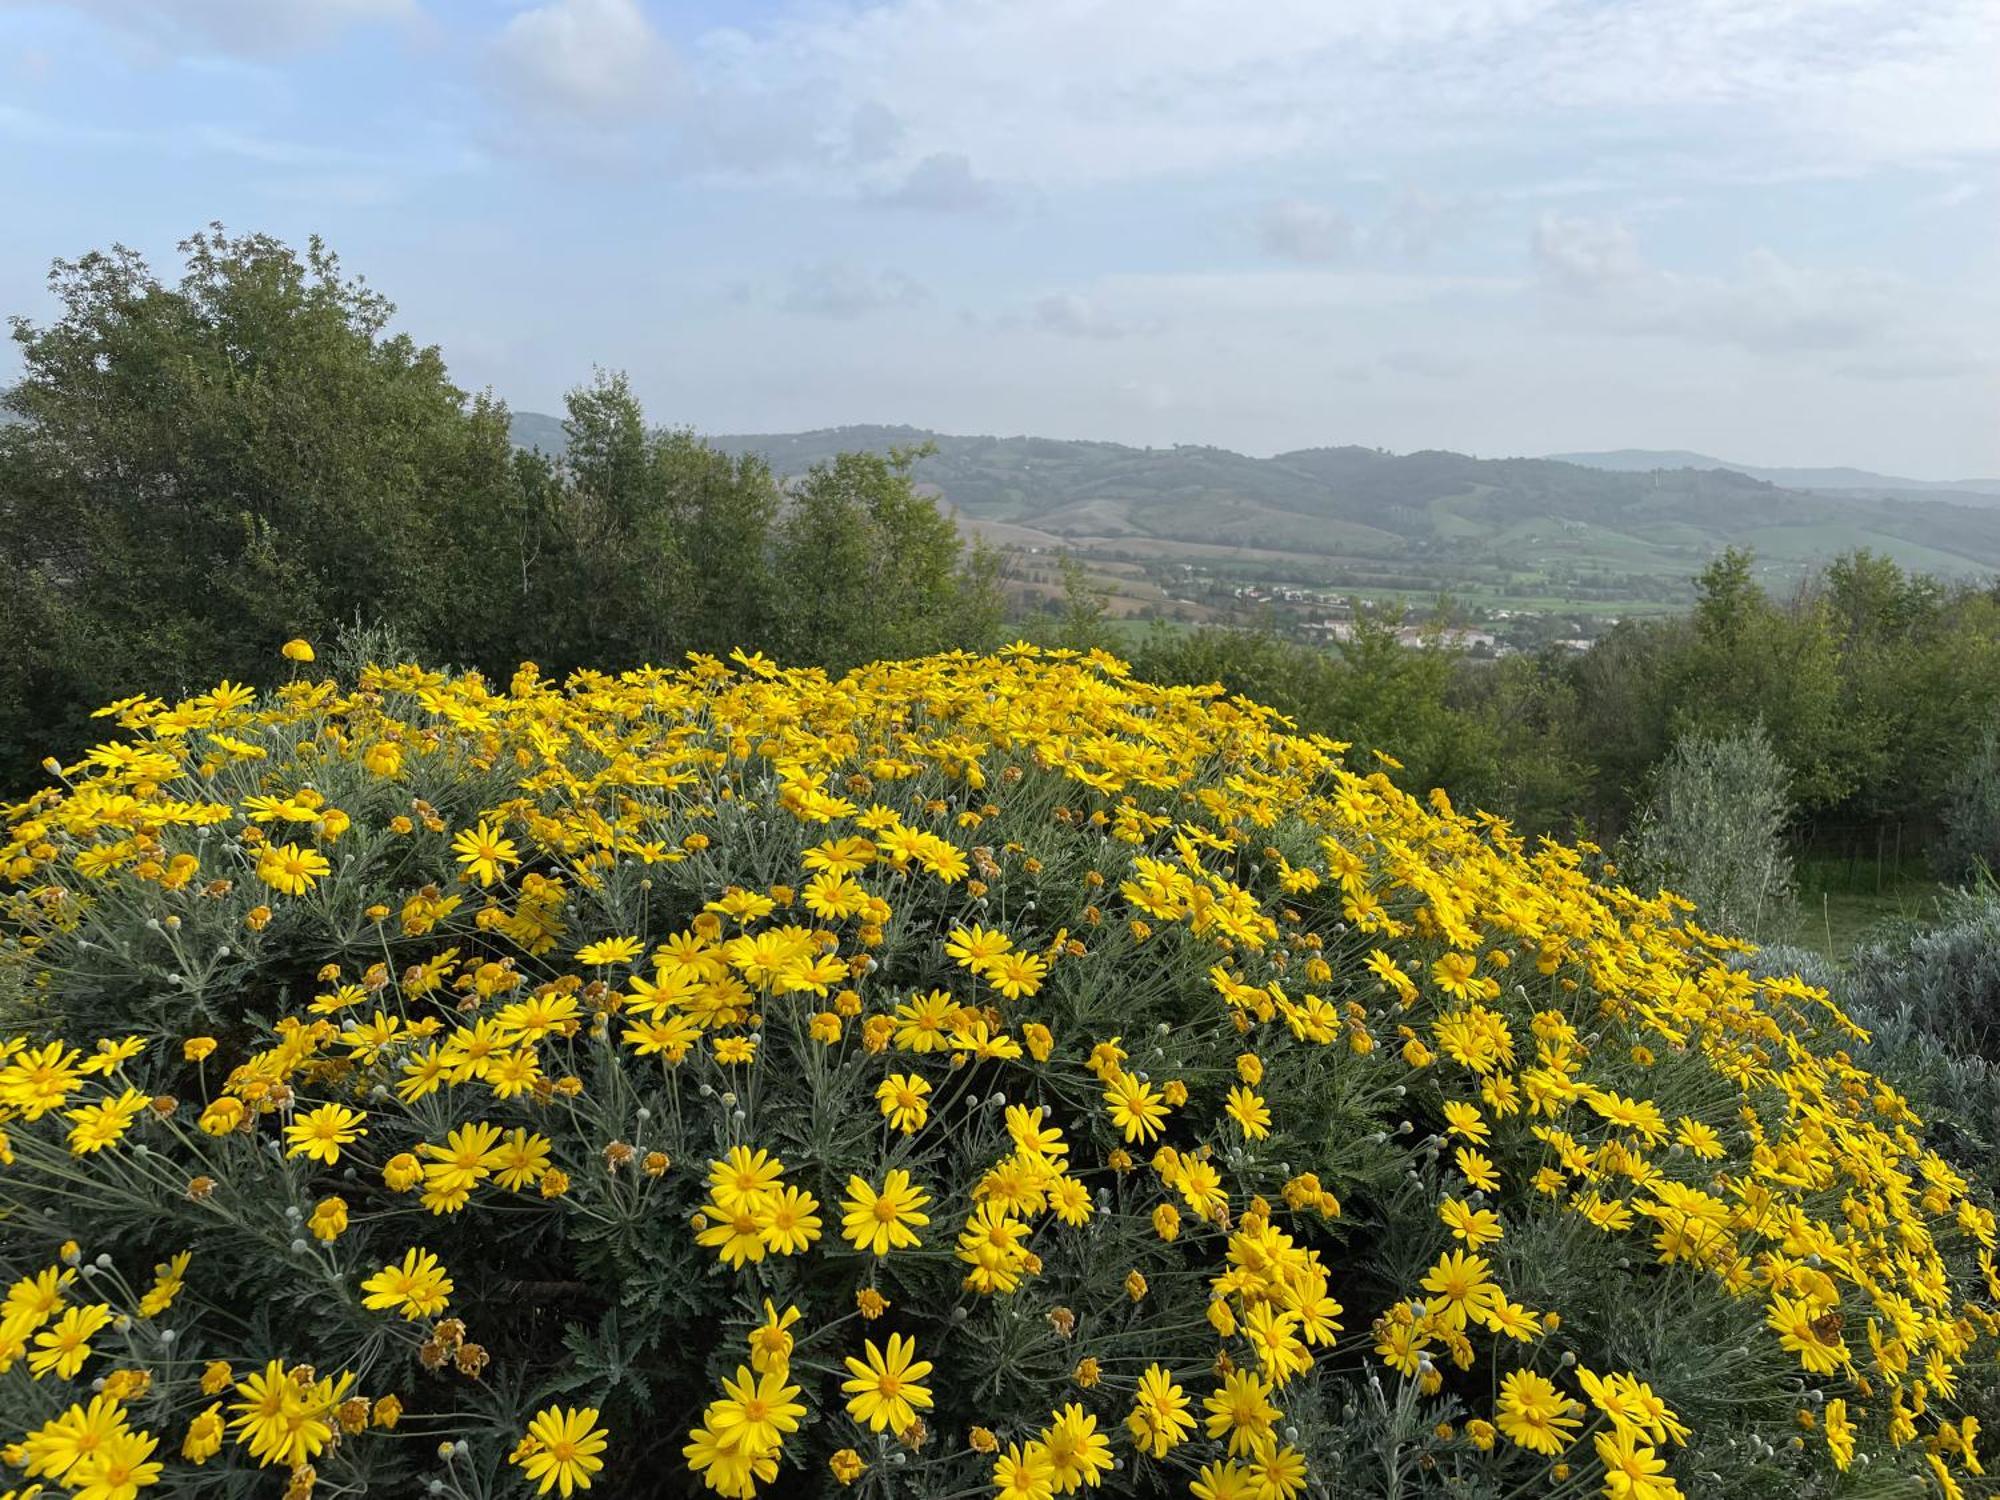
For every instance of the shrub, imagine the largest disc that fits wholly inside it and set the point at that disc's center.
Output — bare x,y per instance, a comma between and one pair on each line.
1946,972
1968,843
969,1075
1930,995
1714,829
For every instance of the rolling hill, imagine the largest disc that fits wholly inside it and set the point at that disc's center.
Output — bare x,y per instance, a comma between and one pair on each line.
1839,481
1465,522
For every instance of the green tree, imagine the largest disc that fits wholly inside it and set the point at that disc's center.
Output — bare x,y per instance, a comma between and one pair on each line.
1624,693
867,567
1749,661
1543,776
1083,621
724,510
1920,677
1390,694
1370,689
1968,844
205,468
629,579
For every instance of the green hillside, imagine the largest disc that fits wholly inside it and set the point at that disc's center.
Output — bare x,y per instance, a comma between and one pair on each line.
1847,482
1481,527
1519,515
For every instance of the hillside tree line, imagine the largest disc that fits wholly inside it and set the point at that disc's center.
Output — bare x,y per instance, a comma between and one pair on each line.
197,469
200,469
1877,689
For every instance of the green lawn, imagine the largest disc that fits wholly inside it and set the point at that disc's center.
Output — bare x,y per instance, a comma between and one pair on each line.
1135,630
1484,596
1837,908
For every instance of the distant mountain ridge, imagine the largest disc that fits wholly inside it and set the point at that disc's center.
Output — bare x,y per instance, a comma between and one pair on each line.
1643,460
534,429
539,430
1452,514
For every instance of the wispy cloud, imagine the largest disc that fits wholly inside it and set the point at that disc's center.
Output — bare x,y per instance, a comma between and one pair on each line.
264,29
1587,257
1302,291
1055,93
1425,364
943,182
600,60
1076,316
194,140
1767,304
1293,229
841,289
1506,225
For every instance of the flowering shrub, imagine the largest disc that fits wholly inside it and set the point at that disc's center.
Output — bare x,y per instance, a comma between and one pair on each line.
969,1076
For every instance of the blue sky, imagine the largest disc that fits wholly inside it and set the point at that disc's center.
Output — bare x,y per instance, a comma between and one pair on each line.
1764,229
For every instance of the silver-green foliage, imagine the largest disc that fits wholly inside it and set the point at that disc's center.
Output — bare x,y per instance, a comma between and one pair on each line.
1933,994
1968,844
1714,830
1947,972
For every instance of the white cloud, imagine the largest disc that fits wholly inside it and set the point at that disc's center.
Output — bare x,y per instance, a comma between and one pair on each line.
594,60
1060,94
1425,364
1586,256
873,132
1294,292
841,289
1076,316
942,182
1418,221
1140,143
1766,304
1918,365
303,163
1293,229
246,28
896,100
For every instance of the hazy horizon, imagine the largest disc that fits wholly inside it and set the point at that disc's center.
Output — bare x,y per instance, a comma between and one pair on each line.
1725,459
1763,231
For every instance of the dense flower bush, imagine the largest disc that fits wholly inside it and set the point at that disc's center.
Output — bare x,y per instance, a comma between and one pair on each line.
976,1075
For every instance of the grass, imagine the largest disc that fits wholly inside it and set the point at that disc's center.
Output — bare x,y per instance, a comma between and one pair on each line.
1135,630
1840,902
1476,595
1833,924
